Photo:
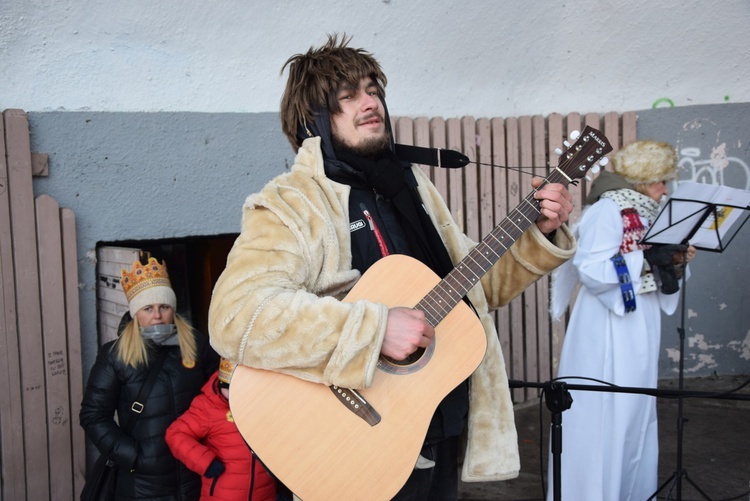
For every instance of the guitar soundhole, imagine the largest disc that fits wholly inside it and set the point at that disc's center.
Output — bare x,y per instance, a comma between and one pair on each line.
410,364
414,357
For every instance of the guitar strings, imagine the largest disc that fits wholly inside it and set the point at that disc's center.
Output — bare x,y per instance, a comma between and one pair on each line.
516,169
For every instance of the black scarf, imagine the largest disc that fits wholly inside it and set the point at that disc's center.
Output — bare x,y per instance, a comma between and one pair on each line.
387,175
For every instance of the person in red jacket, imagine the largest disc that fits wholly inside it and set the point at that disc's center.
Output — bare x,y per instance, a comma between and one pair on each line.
207,441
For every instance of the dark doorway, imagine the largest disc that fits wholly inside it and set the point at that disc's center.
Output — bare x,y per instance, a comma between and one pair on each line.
194,265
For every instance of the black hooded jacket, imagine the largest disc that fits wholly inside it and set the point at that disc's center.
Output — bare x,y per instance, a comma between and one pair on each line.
147,469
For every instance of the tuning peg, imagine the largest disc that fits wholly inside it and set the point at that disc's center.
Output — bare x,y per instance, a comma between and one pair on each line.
596,168
574,135
558,152
566,144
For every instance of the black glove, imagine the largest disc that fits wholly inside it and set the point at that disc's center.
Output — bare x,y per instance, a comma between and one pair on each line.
215,469
660,256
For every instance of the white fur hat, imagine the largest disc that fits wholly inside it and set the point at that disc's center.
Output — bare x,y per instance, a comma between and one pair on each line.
646,162
146,285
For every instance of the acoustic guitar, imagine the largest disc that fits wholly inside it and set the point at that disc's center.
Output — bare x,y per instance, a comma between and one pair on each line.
329,443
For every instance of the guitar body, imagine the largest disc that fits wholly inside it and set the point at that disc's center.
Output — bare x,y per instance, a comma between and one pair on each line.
322,450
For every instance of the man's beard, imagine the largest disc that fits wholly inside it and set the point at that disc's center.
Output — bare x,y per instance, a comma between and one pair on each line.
371,147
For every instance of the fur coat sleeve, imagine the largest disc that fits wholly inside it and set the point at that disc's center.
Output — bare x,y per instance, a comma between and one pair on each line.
276,305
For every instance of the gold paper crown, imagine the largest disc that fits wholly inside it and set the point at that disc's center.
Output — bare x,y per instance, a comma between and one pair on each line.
225,370
143,277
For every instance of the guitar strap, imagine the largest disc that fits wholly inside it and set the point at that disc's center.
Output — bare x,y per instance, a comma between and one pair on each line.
138,405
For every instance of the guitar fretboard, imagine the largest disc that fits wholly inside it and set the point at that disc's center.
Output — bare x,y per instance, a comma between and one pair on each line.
467,273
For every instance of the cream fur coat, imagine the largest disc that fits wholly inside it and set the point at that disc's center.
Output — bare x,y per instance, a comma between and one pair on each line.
276,305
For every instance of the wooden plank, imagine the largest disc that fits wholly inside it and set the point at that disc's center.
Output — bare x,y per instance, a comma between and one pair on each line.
422,138
471,177
629,127
484,157
12,461
404,132
592,120
455,176
555,136
611,129
539,373
529,304
515,307
573,123
28,302
437,136
73,338
500,190
54,336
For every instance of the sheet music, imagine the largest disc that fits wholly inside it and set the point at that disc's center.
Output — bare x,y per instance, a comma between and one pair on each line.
689,204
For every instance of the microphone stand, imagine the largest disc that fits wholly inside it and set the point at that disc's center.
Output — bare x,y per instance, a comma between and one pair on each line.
558,400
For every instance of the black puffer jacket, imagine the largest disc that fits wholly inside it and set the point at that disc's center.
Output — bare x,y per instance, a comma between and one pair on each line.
113,386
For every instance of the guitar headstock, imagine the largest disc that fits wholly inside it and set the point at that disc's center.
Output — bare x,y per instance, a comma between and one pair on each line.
586,153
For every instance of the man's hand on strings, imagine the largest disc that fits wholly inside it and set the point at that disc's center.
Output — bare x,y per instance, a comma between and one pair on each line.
406,331
556,204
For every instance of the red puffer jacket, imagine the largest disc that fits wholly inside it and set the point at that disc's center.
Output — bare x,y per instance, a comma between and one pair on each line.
206,431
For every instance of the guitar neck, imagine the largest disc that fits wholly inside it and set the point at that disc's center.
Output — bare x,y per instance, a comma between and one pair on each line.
467,273
574,163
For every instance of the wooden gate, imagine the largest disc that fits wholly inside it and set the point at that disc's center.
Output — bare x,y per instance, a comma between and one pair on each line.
42,446
505,152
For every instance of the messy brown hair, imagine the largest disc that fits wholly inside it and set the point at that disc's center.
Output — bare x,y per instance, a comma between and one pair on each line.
315,78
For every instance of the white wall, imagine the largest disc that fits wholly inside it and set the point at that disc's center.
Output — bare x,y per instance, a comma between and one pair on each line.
443,58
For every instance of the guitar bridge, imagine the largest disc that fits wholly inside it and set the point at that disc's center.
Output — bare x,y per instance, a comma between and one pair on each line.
357,404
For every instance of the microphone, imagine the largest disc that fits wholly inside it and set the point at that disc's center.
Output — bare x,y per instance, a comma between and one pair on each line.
438,157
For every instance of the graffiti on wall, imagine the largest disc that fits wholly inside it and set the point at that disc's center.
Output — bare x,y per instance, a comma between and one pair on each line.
710,165
716,169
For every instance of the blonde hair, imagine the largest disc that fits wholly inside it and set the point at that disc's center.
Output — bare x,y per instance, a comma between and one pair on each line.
131,348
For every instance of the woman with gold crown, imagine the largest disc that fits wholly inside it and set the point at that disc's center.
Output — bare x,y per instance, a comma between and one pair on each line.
159,343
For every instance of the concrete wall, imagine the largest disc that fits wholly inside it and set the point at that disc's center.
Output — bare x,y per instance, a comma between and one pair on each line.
442,57
713,143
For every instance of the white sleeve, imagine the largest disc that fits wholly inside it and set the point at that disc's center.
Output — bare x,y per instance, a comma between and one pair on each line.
600,237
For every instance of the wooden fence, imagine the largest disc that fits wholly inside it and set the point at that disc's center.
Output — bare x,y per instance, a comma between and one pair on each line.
42,446
505,152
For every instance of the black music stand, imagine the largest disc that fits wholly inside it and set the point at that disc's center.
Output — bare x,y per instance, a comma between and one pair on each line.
708,217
